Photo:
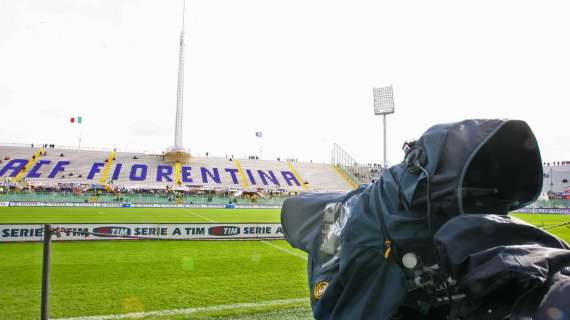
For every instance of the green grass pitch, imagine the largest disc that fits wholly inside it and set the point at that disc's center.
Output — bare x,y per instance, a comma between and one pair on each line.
217,279
115,277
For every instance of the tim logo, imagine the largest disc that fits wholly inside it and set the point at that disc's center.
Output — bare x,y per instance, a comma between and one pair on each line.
223,231
112,231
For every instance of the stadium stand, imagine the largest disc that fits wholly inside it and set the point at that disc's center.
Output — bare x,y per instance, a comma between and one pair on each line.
354,172
556,177
50,167
50,174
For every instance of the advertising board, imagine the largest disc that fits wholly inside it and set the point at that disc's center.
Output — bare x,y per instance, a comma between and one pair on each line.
113,231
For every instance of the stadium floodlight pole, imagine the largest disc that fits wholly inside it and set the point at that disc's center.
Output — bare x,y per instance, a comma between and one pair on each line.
383,105
46,272
180,88
178,153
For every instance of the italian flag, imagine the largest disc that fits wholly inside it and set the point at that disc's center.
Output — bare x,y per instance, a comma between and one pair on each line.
76,119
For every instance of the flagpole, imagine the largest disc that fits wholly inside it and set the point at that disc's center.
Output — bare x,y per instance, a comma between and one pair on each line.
79,122
259,134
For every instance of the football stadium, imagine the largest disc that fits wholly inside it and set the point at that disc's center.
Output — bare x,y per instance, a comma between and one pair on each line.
105,232
167,270
143,195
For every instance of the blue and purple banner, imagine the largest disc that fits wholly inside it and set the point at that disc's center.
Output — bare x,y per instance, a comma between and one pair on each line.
144,173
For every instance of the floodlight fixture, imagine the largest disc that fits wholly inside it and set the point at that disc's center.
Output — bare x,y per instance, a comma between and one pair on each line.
383,100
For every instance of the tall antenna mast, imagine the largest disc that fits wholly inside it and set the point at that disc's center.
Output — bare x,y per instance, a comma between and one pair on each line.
178,153
180,90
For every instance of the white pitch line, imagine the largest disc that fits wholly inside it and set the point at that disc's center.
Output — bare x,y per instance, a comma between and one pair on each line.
293,253
188,311
201,216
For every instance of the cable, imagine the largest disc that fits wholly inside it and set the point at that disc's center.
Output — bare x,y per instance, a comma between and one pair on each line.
428,195
428,205
400,190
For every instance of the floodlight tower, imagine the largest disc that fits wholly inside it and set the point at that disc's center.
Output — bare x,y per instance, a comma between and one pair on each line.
178,153
383,105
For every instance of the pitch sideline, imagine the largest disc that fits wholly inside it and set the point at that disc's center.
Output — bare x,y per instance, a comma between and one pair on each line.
263,241
188,311
200,216
293,253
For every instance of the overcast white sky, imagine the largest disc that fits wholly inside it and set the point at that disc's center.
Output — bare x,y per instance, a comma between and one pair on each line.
300,71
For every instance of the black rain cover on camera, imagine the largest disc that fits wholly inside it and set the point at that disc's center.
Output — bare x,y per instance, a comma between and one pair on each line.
505,265
475,166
